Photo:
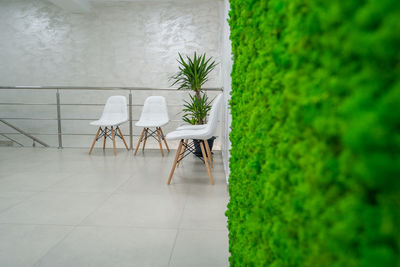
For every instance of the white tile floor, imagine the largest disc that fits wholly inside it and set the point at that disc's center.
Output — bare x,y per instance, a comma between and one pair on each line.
66,208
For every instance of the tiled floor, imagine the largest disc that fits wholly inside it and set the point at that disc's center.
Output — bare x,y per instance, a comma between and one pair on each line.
66,208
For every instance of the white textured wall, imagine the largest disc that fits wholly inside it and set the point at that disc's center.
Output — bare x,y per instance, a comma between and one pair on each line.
226,69
116,44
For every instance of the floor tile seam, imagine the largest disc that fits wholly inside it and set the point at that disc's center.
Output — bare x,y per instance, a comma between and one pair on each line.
173,248
54,246
102,203
75,192
20,191
39,192
84,192
110,226
115,191
22,201
69,232
202,229
56,182
95,209
90,226
33,166
37,224
177,232
73,227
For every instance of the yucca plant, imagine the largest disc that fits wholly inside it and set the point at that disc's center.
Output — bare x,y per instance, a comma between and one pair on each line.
192,75
195,111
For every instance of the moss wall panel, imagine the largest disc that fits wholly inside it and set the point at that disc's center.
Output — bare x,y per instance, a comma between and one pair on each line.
315,166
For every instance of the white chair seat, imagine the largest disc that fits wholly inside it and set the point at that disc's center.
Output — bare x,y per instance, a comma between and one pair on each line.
189,134
151,123
109,122
191,127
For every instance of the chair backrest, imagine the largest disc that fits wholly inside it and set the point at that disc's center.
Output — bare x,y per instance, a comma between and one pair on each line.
115,108
155,109
213,117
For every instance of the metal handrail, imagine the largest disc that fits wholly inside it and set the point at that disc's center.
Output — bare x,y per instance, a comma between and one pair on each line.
78,88
98,88
12,140
24,133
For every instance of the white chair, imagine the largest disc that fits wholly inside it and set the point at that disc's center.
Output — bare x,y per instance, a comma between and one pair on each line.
198,132
114,114
154,114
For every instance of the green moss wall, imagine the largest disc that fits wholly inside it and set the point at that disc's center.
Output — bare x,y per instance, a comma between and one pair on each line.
315,166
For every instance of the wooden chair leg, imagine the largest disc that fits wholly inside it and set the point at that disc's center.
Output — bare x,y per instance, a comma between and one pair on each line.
159,141
209,155
122,137
105,138
206,162
175,161
94,141
140,140
145,137
183,152
163,137
113,139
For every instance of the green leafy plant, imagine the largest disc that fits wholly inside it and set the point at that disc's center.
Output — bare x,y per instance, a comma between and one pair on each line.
192,75
315,161
195,110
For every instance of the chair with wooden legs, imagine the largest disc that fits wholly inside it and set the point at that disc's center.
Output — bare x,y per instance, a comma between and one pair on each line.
200,133
154,115
114,114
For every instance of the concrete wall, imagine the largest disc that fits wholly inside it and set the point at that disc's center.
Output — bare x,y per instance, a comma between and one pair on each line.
226,69
115,44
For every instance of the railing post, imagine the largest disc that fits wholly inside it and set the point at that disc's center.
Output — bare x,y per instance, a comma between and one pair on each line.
59,120
130,121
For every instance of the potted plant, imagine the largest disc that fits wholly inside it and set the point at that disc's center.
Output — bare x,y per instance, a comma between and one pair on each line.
192,75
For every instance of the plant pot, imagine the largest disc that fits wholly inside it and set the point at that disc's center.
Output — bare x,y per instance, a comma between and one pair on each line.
198,148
